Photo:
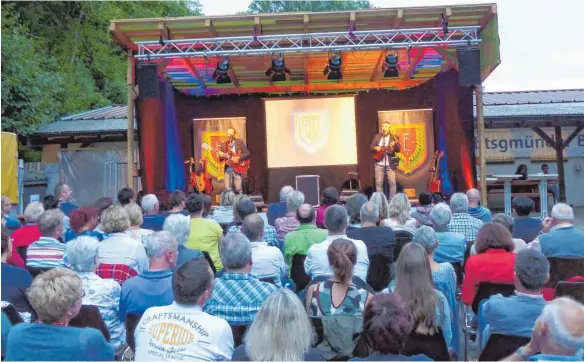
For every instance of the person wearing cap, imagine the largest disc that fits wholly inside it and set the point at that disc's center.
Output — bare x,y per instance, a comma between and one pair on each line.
83,221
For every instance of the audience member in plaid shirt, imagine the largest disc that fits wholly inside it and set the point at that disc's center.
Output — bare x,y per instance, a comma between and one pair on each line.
237,295
289,223
247,207
461,221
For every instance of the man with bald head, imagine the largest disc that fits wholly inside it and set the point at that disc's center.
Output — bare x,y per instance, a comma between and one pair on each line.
475,209
268,261
558,334
305,235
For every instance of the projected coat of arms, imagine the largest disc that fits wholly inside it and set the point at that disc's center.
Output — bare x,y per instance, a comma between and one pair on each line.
414,152
310,129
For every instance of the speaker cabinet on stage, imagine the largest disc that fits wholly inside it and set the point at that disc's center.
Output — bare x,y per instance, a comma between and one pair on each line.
147,78
469,66
309,185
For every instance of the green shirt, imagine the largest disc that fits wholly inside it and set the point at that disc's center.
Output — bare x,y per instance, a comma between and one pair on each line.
301,239
204,236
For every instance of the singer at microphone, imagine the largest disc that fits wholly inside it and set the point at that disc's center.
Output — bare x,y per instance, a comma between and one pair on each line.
384,166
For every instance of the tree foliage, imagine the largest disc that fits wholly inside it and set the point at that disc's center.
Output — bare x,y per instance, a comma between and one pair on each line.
281,6
57,57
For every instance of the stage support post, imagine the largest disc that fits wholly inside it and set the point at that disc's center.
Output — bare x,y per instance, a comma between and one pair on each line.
130,134
559,146
481,141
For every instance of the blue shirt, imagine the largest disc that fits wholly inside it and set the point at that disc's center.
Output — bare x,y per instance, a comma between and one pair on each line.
67,207
276,211
152,222
238,297
185,254
44,342
526,228
563,242
481,213
70,234
12,223
451,247
149,289
15,281
555,357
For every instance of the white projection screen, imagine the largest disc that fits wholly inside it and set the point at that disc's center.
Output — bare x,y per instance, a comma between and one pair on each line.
311,132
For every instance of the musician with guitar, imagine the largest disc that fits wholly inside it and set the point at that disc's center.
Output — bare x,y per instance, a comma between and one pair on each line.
385,146
235,151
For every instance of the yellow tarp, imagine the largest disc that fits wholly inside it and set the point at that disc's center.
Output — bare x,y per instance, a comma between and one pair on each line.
10,166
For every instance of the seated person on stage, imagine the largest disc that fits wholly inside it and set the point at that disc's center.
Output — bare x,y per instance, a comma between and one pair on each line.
288,223
330,196
554,188
56,296
522,172
223,213
15,281
317,263
451,245
26,234
474,207
48,251
494,261
305,235
238,295
126,196
526,228
65,196
279,209
266,340
268,261
353,206
83,221
557,335
246,207
177,202
181,330
461,222
399,210
151,206
204,233
516,315
560,238
180,226
153,287
337,295
379,240
422,212
387,325
135,231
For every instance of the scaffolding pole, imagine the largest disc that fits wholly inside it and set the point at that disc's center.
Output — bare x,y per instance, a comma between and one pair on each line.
130,134
481,140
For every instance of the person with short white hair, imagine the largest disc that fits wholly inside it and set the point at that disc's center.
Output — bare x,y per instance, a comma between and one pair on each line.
151,206
223,213
558,334
288,222
279,209
451,245
461,222
103,293
26,234
179,226
475,209
560,238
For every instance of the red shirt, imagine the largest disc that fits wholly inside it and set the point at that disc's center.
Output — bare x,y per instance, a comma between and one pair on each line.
320,215
494,265
23,236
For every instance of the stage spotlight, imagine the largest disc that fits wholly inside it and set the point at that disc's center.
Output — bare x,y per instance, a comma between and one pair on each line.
390,66
333,69
278,70
221,73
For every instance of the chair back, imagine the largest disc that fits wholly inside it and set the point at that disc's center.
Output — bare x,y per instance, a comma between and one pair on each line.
297,273
131,322
238,333
402,237
34,271
574,290
562,269
433,346
267,280
487,289
459,273
89,316
210,261
10,311
379,272
500,346
118,272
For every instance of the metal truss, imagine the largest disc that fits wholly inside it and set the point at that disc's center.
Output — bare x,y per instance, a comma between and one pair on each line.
309,42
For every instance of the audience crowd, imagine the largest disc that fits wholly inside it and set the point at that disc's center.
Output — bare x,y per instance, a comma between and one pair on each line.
374,279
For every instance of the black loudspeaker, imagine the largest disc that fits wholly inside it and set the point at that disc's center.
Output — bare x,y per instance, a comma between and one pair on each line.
147,78
469,66
309,185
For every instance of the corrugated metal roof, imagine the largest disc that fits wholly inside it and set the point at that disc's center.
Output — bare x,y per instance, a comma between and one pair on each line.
535,110
110,119
533,97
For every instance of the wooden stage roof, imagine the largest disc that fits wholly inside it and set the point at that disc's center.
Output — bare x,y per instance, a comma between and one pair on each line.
361,68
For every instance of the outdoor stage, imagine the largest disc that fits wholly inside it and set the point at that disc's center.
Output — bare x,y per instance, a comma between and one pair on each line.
191,108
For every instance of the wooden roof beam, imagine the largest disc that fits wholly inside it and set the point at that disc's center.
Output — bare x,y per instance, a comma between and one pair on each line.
268,64
446,14
194,72
377,70
233,76
257,26
306,76
210,28
352,20
164,31
120,37
415,62
398,19
447,56
306,21
488,16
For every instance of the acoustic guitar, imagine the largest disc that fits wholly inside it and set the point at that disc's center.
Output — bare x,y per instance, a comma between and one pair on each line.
435,181
378,155
199,180
239,166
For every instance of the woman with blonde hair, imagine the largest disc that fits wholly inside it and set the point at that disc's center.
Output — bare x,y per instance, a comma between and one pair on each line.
281,331
223,213
379,199
136,219
399,214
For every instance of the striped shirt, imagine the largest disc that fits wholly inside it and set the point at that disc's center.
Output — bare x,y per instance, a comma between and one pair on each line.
46,253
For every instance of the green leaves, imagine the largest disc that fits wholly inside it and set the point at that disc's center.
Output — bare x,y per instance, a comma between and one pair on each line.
280,6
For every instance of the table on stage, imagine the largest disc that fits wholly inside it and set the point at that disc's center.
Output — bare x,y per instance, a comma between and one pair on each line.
542,186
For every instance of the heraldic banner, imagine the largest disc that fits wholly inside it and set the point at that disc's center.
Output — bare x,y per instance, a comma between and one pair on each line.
415,131
213,131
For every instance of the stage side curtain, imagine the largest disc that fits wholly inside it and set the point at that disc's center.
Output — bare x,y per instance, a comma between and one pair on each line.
10,166
175,177
213,131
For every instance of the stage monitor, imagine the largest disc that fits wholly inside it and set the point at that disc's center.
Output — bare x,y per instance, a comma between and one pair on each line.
311,132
